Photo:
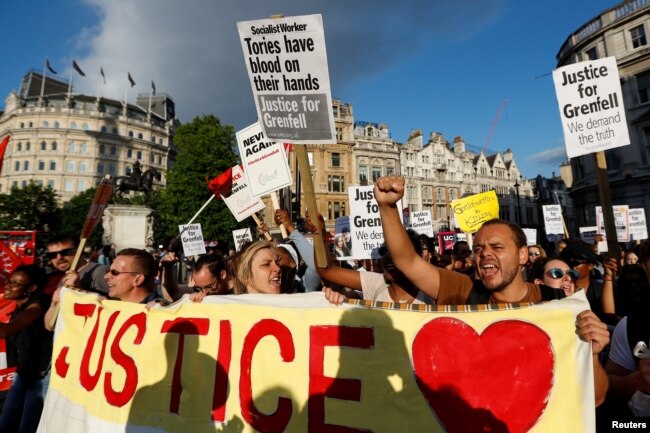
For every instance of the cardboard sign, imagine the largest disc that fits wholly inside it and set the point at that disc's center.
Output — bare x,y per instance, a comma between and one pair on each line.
286,61
446,240
192,238
264,161
241,203
343,239
591,106
621,222
365,223
588,234
471,212
294,363
241,237
638,224
421,222
553,219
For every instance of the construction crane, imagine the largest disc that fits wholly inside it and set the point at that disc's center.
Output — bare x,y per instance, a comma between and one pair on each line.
495,122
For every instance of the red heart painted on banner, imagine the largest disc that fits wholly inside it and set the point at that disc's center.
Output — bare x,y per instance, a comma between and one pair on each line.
499,381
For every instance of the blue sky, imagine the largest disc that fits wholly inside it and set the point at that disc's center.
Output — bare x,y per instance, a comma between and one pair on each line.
436,65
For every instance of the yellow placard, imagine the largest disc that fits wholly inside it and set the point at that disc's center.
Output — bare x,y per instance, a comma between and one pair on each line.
471,212
293,363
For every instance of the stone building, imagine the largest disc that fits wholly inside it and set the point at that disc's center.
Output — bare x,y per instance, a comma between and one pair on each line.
621,32
69,142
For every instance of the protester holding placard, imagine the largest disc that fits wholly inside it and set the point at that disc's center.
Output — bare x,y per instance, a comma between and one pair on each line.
255,269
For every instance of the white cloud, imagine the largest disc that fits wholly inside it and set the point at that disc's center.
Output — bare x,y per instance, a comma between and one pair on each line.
192,51
554,156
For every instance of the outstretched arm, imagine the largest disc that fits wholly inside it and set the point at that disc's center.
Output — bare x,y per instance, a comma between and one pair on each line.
426,277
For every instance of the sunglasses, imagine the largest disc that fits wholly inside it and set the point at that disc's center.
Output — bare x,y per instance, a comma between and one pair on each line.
557,273
534,254
115,273
65,252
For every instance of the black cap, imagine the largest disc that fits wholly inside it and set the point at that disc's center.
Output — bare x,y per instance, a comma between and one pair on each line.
576,251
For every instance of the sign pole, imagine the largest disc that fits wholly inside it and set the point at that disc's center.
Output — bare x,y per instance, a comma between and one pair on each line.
310,201
606,204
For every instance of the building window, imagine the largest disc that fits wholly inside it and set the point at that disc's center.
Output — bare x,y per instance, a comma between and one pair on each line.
335,209
19,147
103,129
637,34
113,151
111,169
23,183
85,128
17,166
39,182
43,145
27,146
339,134
100,167
22,124
139,155
102,149
57,124
46,124
31,124
643,87
41,165
129,153
54,145
69,167
50,183
15,184
592,53
363,174
376,173
390,171
73,125
131,134
52,165
114,130
81,186
25,165
72,148
335,183
68,186
83,148
336,159
82,166
140,136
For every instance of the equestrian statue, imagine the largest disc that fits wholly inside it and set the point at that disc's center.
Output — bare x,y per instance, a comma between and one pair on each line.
136,181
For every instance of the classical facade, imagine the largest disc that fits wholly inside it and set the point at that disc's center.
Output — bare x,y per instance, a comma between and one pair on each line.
621,32
69,142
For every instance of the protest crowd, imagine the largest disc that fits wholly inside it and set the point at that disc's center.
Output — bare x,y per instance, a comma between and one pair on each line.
498,268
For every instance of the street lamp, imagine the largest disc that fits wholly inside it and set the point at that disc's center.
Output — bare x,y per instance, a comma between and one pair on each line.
518,202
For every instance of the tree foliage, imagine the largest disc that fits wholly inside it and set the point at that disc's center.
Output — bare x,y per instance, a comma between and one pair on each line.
32,207
206,149
73,216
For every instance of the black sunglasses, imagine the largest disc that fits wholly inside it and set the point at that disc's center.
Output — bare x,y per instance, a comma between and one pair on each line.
64,252
115,273
557,273
207,288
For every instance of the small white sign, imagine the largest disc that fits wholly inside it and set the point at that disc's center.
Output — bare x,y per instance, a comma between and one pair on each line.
588,234
264,161
553,219
591,106
241,237
638,225
421,222
531,236
621,222
192,238
241,203
365,223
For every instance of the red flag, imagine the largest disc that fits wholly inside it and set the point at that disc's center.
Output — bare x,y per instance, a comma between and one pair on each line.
77,68
3,147
8,262
222,184
288,147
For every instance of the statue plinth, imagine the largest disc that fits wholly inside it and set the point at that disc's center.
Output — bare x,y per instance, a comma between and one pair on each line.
128,226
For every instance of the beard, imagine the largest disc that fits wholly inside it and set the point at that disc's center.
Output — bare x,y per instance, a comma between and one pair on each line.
507,278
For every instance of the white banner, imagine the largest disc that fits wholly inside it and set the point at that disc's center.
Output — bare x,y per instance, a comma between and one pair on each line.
621,222
241,203
553,219
365,223
421,222
531,236
264,161
591,106
192,238
286,61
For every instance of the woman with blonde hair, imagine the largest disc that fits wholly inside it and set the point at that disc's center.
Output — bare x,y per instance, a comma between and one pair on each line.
255,269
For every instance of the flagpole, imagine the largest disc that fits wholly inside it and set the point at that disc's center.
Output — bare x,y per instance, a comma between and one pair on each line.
126,95
70,85
44,77
150,96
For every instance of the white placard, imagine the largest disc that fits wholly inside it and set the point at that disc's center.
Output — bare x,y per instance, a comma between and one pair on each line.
241,237
591,106
531,236
286,60
588,234
264,161
621,222
192,238
241,203
553,219
638,224
421,222
365,223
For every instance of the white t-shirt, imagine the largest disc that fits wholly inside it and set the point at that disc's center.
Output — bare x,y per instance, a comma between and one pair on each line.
620,351
374,288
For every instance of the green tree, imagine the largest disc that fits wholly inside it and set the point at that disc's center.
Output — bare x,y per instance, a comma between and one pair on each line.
73,216
206,148
32,207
